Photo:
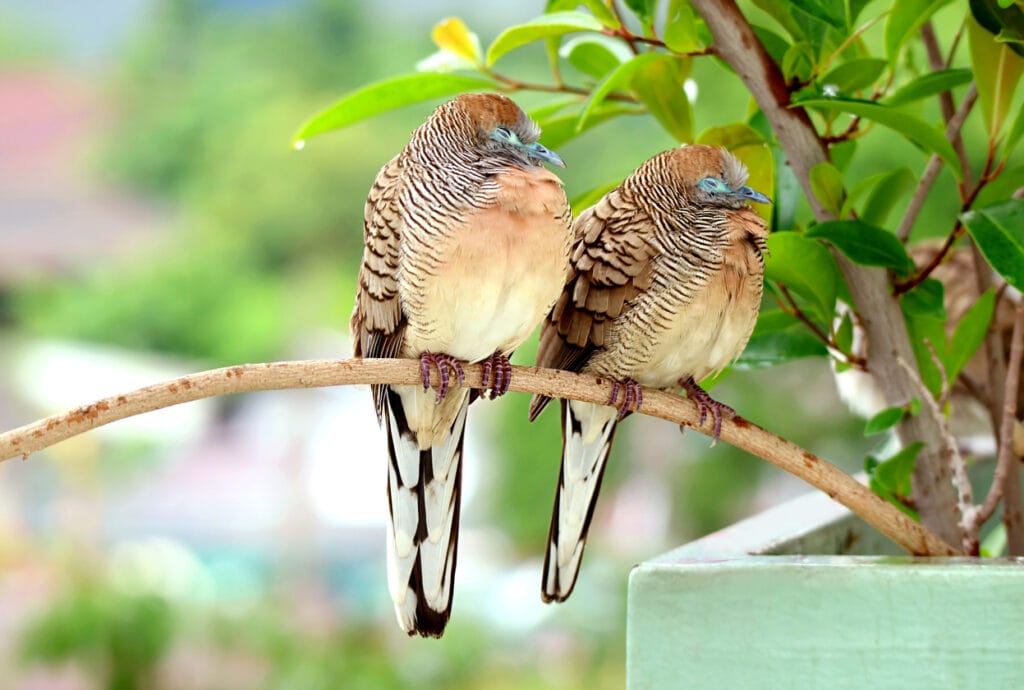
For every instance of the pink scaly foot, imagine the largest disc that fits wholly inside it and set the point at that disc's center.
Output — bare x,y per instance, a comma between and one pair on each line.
705,403
632,399
445,365
498,367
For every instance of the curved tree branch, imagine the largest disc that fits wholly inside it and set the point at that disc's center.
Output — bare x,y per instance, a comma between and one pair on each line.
562,384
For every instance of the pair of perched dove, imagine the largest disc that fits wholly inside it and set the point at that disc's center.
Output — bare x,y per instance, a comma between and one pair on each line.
469,245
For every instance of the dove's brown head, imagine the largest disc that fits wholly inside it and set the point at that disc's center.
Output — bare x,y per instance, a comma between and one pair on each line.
489,124
709,175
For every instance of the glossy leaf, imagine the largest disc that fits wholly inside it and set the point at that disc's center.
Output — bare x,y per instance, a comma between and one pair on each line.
806,267
595,54
854,75
643,9
554,24
778,338
561,128
884,191
829,11
798,62
894,473
928,85
1014,136
749,146
1004,20
905,18
999,232
886,419
925,299
827,185
658,85
680,33
914,129
997,70
601,12
618,79
844,334
451,34
864,244
386,95
924,329
970,333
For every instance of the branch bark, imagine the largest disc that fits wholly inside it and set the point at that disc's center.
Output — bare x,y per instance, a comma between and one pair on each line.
317,373
736,43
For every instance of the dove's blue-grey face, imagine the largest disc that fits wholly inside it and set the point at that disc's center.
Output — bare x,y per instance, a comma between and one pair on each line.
716,186
533,150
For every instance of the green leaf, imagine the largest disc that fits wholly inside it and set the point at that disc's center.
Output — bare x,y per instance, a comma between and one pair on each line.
595,54
827,11
927,85
886,419
924,329
914,129
558,129
554,24
1015,135
798,62
806,267
601,12
617,79
844,334
658,85
970,333
1005,21
925,299
882,191
864,244
827,185
643,9
778,338
997,70
386,95
749,146
905,18
680,33
893,474
854,75
775,45
999,233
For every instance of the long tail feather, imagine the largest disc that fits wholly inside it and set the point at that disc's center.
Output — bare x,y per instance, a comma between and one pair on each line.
424,495
587,434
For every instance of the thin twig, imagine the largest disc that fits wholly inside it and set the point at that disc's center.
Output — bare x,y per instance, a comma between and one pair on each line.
934,166
316,373
936,62
1009,414
987,175
793,309
964,490
517,85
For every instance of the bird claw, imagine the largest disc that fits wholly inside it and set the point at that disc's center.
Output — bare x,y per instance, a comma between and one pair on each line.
445,365
705,404
632,399
498,367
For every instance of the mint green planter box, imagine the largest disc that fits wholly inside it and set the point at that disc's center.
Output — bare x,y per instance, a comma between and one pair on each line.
791,599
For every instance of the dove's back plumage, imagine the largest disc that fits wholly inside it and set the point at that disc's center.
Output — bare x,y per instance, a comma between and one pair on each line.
466,247
665,283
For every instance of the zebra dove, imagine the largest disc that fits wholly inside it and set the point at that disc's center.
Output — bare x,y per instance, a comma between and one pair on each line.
467,240
664,290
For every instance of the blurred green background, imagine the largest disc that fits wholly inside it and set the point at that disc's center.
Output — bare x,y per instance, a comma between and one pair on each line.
154,220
